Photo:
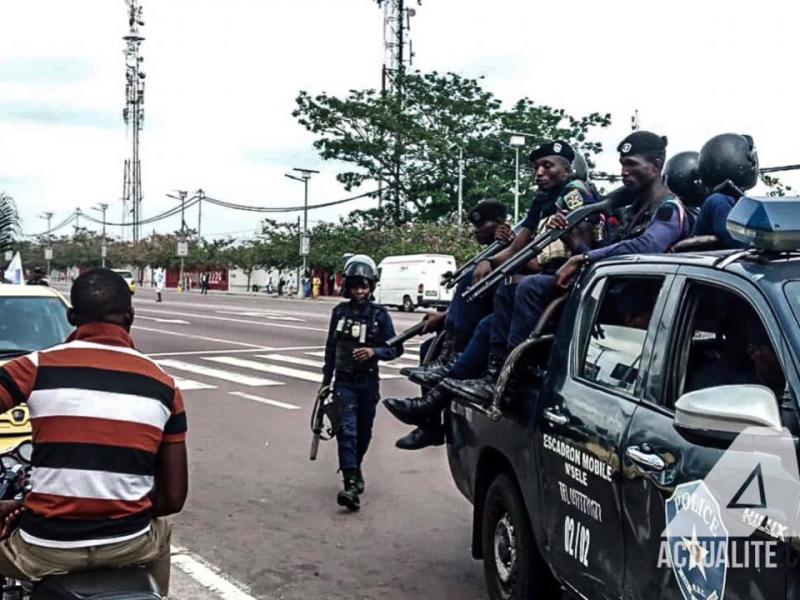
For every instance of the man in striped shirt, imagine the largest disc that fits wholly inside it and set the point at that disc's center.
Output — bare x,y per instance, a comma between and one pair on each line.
109,452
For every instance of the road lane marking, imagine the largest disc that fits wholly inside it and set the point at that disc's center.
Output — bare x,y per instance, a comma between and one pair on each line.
186,385
232,320
202,337
295,360
208,576
406,356
228,351
259,313
218,373
265,401
160,320
266,368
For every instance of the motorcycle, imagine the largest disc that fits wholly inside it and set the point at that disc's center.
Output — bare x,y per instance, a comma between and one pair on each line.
129,583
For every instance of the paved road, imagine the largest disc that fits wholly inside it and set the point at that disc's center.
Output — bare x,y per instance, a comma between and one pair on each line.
259,510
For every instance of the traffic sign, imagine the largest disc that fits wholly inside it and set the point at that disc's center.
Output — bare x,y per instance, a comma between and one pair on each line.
305,243
48,254
103,250
183,248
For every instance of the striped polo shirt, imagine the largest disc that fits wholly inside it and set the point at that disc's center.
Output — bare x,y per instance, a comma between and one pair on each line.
100,410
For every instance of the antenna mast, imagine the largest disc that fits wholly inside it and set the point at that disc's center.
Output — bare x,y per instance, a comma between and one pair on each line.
133,113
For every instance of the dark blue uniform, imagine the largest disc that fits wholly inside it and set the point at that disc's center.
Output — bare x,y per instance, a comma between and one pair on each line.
638,232
572,195
356,385
713,217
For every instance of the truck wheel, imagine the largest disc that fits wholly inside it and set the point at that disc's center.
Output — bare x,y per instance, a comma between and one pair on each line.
408,304
508,552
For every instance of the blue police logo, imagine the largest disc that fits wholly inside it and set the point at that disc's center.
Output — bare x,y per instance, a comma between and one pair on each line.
698,542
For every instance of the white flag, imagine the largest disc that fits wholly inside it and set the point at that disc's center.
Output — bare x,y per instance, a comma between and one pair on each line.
14,271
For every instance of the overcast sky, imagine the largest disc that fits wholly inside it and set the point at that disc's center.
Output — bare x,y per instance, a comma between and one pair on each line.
222,77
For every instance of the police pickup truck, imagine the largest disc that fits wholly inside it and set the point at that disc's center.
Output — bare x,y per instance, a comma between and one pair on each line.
645,446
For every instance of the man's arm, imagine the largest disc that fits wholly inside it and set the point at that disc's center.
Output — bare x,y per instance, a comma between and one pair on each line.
172,473
663,232
171,481
382,351
330,351
16,382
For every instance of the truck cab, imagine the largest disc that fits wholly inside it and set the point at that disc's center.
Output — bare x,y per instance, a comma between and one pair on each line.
643,443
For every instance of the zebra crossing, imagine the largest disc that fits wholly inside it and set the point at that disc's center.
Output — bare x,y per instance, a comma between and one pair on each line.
262,369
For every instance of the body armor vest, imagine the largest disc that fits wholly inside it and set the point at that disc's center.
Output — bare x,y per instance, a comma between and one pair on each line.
355,331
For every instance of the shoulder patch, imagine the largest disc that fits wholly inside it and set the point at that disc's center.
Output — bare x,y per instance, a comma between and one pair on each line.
665,212
573,199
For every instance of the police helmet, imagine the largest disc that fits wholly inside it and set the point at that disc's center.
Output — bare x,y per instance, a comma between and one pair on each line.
360,266
682,177
580,168
729,156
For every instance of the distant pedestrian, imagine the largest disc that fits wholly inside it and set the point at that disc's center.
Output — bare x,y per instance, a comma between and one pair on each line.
270,287
204,278
316,285
160,276
281,285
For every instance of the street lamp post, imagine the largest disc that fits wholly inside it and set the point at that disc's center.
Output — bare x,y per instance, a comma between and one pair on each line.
103,248
517,141
305,175
460,184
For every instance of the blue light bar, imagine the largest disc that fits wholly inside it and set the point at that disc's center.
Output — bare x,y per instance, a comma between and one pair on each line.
771,224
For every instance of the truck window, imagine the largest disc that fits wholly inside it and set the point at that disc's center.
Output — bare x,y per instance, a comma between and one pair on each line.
725,343
612,356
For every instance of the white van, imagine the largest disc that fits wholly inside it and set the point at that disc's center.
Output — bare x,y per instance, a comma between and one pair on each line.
414,280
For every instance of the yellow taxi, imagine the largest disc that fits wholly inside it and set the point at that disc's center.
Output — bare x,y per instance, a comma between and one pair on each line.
128,277
32,317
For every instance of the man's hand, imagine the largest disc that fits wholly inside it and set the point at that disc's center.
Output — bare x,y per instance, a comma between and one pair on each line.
434,321
363,354
558,220
504,233
10,512
567,271
482,269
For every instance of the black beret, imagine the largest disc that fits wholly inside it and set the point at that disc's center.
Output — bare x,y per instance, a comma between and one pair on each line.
556,148
488,210
641,142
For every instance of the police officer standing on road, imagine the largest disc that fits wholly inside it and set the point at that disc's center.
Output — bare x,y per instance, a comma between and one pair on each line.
357,336
729,166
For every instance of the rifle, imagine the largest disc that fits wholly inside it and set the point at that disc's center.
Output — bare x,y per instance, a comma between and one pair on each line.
450,280
406,335
318,421
615,200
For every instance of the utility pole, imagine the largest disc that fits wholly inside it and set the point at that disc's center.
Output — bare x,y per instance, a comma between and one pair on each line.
200,195
305,175
48,252
182,195
103,248
78,214
133,112
460,183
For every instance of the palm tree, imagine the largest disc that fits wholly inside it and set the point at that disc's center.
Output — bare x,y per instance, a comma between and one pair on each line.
9,221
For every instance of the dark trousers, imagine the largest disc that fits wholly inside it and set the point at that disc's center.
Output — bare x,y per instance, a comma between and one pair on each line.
473,360
462,316
517,309
359,400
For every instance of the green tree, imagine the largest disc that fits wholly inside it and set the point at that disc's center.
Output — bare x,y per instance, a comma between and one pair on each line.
410,145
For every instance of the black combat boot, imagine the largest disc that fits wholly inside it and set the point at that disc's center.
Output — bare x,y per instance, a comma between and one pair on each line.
348,497
422,437
416,411
435,371
479,390
360,483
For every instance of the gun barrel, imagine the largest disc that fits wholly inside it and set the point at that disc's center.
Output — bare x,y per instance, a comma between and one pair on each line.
490,250
406,335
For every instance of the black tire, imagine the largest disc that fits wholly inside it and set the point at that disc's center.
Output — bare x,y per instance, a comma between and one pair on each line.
408,304
509,554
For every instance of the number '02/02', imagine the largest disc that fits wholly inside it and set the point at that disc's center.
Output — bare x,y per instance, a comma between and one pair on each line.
576,540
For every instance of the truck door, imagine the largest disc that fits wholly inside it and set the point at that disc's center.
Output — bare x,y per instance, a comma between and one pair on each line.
690,508
581,429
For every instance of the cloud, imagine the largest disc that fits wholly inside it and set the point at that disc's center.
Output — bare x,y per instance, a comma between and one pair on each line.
59,115
45,70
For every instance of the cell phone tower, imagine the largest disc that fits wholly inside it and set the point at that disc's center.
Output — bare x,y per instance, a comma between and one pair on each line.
133,113
398,49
